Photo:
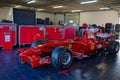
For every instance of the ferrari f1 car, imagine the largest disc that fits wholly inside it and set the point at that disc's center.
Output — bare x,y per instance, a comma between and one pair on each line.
61,53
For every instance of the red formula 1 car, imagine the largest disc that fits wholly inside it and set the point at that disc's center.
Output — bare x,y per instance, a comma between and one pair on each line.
61,53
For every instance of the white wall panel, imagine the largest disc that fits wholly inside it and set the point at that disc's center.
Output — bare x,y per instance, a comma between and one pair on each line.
6,13
99,17
45,15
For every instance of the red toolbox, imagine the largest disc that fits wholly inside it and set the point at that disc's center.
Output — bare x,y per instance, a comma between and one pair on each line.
69,32
53,32
27,33
7,40
11,28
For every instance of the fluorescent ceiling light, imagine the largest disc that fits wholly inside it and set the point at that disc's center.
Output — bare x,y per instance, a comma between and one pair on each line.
31,7
20,6
40,9
31,2
57,6
17,6
87,2
76,10
104,8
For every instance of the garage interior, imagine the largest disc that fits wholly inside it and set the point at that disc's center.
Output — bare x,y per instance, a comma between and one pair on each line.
39,15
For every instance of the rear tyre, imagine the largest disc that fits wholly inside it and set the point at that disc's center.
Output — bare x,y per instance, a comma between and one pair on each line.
36,43
113,48
61,57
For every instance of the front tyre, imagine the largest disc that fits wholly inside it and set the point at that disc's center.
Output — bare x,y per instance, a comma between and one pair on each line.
113,47
61,57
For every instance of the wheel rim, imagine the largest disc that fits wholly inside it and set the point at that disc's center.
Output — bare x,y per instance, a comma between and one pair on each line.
117,48
65,58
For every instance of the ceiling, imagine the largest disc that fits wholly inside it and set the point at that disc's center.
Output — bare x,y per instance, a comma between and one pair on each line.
68,5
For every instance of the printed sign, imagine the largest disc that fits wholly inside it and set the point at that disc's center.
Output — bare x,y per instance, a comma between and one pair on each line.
7,38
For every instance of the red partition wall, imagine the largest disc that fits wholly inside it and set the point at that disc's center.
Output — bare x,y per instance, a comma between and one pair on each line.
26,33
49,32
53,32
1,34
69,32
11,28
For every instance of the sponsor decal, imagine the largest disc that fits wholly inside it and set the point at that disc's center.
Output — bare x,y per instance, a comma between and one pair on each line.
70,46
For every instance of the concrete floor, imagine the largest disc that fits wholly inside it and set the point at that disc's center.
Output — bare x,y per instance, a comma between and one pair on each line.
102,67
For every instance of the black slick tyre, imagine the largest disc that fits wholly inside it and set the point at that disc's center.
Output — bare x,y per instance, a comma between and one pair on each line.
61,57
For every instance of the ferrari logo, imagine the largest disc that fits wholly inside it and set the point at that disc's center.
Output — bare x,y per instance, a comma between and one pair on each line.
70,46
92,47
